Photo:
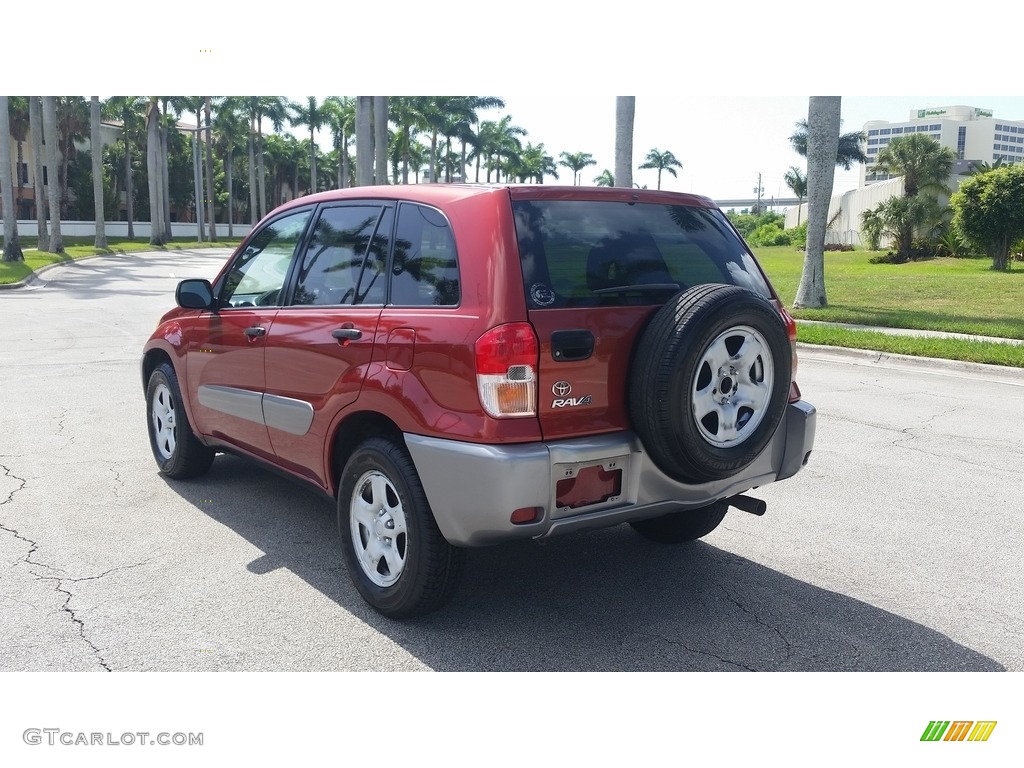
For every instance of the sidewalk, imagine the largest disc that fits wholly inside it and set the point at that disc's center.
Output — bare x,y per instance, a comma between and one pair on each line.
910,332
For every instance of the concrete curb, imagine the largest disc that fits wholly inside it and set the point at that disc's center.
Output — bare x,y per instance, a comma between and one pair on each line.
868,357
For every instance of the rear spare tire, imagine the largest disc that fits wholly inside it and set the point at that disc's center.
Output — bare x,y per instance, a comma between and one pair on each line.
710,381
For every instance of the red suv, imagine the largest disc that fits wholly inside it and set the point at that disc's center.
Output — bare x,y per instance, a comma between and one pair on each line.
460,365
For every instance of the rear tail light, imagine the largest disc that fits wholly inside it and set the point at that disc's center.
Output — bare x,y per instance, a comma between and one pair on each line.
506,370
794,390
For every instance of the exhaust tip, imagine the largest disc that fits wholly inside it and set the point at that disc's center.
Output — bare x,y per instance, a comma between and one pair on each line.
749,504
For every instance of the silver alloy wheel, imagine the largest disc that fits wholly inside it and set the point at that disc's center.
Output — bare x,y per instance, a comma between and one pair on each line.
733,386
377,522
165,423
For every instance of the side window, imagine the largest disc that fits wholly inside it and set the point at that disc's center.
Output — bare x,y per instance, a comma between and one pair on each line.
258,274
425,270
344,263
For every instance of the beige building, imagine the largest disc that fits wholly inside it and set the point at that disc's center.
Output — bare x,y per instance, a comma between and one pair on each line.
973,133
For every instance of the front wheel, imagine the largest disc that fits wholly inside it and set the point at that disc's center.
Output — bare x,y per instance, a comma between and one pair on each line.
177,450
396,556
680,527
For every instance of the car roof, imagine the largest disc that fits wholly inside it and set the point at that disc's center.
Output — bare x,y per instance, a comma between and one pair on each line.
439,194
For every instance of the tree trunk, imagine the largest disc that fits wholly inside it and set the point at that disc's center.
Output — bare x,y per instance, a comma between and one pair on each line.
822,146
128,186
364,141
53,187
345,172
253,210
229,161
35,127
12,249
210,203
165,172
625,109
156,186
96,144
380,143
261,170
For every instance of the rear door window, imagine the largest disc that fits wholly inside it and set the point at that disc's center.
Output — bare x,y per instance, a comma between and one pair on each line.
596,253
343,264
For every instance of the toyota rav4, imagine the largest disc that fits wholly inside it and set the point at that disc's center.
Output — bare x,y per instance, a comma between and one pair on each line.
461,365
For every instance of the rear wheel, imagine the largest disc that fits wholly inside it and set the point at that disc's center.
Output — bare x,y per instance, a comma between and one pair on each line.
395,554
680,527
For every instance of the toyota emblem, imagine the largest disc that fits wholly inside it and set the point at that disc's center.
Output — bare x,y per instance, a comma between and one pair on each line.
561,388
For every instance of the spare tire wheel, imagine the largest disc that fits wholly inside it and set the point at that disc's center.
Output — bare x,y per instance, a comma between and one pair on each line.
710,382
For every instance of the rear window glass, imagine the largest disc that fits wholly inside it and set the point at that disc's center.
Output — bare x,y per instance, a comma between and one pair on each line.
590,253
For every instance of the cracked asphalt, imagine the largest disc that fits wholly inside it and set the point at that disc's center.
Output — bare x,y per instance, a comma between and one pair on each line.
897,548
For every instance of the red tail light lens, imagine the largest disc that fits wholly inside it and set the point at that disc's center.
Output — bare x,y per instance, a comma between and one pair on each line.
794,390
506,370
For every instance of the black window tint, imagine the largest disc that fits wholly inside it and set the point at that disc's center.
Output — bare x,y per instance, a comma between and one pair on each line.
585,253
334,270
425,270
257,275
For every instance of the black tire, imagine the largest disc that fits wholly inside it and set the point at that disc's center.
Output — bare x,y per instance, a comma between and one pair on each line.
177,450
680,527
711,351
410,573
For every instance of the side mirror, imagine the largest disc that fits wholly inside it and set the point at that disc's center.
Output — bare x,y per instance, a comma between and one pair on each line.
194,294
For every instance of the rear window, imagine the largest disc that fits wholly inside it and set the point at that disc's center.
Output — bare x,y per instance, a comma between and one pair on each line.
590,253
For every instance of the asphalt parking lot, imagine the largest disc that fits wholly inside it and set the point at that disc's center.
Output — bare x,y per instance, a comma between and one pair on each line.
897,548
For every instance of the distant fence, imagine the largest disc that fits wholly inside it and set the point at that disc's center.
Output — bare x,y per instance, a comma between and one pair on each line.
28,228
844,237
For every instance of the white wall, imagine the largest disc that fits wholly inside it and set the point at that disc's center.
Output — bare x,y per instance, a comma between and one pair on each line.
27,228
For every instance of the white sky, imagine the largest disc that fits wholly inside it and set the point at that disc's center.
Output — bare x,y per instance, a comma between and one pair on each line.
721,87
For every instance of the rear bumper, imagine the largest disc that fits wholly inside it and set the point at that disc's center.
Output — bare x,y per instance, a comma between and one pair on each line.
473,489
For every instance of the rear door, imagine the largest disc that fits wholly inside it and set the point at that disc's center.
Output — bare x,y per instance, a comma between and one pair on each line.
594,271
323,339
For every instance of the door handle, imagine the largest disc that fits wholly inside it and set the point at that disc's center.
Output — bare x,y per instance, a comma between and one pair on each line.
255,331
347,334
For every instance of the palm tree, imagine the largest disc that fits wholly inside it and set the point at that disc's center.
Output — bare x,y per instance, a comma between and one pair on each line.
18,110
380,139
155,167
210,199
128,110
606,179
848,152
822,146
340,113
534,164
364,141
12,249
924,164
314,116
96,150
35,122
576,162
72,125
980,166
796,181
230,128
625,108
663,161
53,192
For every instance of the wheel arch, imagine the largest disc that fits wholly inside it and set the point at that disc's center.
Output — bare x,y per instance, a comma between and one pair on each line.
348,433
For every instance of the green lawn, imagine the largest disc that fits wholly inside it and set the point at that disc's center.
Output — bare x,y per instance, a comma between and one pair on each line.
79,247
960,295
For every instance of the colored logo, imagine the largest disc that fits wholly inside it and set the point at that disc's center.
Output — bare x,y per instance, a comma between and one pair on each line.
958,730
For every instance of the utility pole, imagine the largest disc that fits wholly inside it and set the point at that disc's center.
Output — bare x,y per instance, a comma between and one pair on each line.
758,190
